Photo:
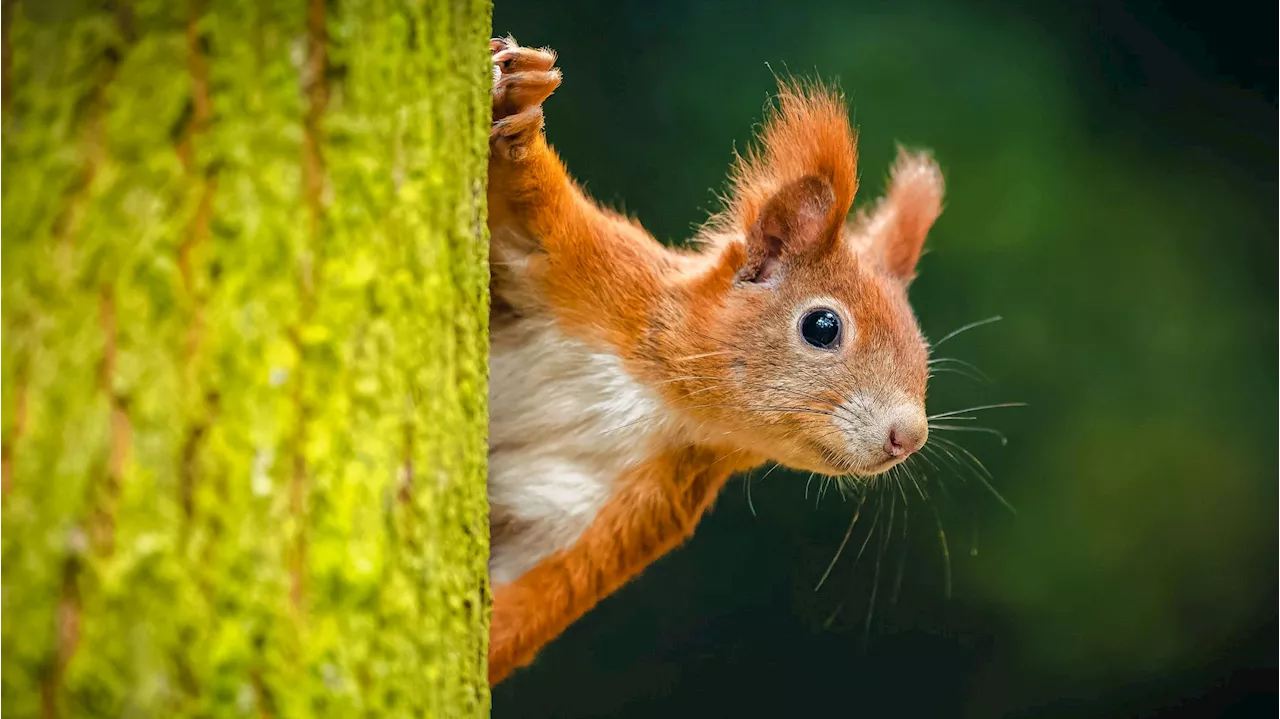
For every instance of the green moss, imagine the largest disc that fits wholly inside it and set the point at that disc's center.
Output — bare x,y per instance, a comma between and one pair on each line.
287,513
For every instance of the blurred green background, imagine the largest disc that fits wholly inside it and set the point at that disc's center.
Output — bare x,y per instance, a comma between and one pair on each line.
1112,194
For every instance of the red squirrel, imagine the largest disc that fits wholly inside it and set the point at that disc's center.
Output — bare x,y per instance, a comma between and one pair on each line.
629,379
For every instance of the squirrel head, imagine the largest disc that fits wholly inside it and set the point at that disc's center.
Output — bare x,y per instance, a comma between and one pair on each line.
800,340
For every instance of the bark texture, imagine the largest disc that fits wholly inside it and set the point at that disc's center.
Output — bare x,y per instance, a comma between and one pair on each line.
244,358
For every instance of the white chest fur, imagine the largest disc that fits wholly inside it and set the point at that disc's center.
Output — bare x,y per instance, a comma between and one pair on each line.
566,420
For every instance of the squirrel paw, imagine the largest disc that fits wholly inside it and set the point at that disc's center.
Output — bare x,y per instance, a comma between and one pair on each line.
522,78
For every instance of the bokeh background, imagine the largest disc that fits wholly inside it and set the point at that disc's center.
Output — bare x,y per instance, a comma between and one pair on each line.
1112,195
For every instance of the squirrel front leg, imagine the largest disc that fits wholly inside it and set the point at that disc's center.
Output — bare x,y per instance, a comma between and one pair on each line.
595,270
655,509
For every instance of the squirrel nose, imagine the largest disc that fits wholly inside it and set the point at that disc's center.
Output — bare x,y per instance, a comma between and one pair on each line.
905,438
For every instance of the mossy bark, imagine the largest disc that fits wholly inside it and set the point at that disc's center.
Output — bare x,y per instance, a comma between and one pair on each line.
244,344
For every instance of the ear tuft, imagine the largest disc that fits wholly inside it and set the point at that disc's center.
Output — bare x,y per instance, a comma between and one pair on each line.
901,221
794,222
806,132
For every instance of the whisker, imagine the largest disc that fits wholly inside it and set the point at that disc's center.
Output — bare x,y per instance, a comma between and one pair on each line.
885,535
729,381
709,388
965,328
722,457
721,405
902,558
898,471
979,408
840,487
909,472
934,361
803,370
931,449
945,456
703,355
849,484
751,506
747,428
726,456
925,458
933,371
856,559
942,486
986,430
874,521
984,475
688,378
832,618
954,360
724,342
946,552
840,549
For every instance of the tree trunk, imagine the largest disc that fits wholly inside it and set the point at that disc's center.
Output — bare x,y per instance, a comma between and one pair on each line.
244,342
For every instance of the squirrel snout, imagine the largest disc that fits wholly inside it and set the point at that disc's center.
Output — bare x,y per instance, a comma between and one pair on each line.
907,432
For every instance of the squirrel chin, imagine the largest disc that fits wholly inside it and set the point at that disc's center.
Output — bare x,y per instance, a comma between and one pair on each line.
820,461
850,470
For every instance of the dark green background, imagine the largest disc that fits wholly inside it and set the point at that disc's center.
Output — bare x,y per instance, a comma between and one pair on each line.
1112,194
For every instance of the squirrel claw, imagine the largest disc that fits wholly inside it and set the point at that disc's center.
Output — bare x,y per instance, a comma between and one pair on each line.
522,79
513,125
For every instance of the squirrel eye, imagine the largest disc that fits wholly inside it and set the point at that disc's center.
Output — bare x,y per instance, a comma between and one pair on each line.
821,328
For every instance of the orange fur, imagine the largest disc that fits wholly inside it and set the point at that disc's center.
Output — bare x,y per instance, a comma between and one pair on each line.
707,331
656,509
808,133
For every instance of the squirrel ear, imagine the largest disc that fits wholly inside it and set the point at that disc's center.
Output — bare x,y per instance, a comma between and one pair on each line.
902,219
793,222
